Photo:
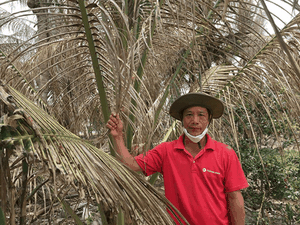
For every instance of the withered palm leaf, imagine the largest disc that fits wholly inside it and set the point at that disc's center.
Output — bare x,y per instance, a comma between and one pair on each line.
66,165
151,52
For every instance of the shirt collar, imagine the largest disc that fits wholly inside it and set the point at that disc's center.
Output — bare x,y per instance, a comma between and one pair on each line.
209,144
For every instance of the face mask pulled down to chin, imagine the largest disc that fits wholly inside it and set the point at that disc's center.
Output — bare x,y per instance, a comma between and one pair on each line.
197,138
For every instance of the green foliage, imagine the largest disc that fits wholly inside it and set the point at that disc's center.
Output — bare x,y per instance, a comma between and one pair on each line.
274,186
271,168
2,217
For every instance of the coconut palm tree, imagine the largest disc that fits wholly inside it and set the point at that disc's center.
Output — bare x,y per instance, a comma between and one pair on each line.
89,58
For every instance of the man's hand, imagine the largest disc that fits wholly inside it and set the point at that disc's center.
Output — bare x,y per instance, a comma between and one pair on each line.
115,125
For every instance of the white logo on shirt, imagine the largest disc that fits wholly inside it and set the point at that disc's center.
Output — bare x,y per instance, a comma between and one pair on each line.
204,170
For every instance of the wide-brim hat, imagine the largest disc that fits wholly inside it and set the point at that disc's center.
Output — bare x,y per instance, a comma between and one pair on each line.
214,105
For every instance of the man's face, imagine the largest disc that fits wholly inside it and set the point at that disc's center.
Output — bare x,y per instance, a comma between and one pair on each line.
195,120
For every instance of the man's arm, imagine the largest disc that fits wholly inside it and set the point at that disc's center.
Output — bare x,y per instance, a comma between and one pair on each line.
115,125
236,208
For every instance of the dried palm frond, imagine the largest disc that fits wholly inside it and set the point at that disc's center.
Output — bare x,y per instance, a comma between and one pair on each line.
45,163
142,55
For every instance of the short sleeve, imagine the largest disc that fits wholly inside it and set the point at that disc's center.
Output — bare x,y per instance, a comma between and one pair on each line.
152,161
234,176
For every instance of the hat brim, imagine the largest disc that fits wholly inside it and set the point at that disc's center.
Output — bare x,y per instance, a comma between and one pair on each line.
214,105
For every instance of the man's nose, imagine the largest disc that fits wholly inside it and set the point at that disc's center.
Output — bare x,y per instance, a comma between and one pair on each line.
196,119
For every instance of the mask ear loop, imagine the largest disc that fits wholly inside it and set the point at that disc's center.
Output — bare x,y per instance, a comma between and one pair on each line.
199,145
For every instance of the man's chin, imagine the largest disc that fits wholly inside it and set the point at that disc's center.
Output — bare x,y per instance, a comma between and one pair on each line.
195,133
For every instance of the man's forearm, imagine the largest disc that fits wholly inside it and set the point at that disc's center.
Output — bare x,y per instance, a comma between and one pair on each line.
236,208
124,154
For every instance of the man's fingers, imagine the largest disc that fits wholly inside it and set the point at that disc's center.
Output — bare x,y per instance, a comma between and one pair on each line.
116,116
113,121
108,123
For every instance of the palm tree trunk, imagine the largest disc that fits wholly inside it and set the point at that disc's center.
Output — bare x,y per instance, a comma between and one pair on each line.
43,31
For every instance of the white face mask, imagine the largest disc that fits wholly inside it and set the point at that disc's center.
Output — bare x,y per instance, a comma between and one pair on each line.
195,139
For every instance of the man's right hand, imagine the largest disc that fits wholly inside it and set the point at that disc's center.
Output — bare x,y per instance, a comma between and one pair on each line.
115,125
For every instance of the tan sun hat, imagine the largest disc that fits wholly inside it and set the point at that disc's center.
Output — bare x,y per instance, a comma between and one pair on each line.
214,105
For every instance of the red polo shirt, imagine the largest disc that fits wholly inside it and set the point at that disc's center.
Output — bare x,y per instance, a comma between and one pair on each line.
197,186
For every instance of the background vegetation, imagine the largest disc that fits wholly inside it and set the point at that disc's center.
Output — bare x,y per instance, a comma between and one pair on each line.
65,65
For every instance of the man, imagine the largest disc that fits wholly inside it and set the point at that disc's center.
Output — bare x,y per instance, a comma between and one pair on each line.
202,177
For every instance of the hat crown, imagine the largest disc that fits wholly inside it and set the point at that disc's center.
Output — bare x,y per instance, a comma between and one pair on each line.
214,105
